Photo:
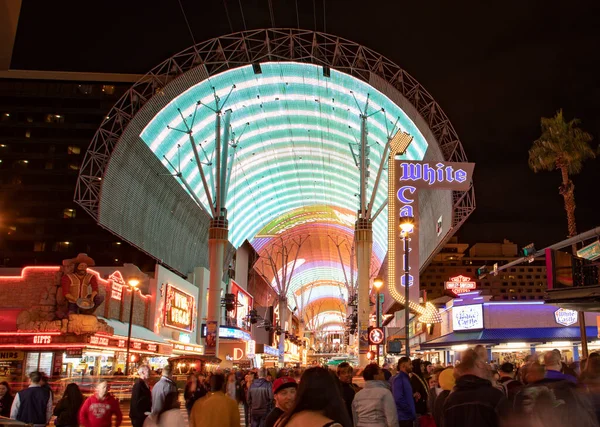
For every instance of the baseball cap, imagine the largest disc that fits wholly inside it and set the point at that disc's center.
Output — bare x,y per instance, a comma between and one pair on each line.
282,383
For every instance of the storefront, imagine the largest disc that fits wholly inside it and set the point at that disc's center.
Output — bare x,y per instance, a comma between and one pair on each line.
509,330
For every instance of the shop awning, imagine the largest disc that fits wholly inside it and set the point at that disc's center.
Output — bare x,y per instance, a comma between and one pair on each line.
137,331
500,336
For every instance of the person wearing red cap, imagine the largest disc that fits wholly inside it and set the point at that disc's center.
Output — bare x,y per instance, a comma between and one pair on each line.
284,392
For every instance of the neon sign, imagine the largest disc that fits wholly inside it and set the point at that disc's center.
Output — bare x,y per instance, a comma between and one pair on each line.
565,317
460,284
42,339
441,173
405,179
376,336
98,340
179,309
116,284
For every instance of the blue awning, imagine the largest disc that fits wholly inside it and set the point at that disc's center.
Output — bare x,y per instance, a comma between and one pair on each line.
499,336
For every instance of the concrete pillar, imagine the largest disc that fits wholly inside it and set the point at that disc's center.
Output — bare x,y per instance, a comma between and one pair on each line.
282,318
363,237
217,239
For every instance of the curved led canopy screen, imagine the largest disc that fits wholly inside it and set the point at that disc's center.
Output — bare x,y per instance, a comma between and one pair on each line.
293,166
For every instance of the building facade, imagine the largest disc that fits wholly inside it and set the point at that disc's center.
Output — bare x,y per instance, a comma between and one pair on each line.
519,283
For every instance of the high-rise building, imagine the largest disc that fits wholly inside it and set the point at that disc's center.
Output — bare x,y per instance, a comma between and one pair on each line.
47,120
521,282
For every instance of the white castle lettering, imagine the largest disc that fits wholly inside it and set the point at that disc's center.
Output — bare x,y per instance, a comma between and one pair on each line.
431,175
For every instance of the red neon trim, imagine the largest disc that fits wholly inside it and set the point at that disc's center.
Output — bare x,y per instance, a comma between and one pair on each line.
50,346
24,270
30,333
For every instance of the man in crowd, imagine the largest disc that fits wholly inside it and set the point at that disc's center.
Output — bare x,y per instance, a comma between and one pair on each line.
374,404
403,394
474,401
345,372
216,409
34,404
141,398
554,367
507,380
284,392
98,410
161,390
260,399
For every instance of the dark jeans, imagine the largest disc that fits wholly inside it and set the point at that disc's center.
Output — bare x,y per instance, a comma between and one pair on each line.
259,420
246,414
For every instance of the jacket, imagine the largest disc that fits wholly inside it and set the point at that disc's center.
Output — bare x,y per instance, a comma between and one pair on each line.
438,407
99,413
161,389
170,418
5,404
32,405
403,397
555,402
66,413
419,386
374,406
348,393
260,397
474,402
215,410
141,402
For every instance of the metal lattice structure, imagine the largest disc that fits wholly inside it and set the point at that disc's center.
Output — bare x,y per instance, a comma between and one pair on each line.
220,54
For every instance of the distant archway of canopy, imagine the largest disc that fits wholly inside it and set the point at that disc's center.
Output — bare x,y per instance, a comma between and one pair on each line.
295,104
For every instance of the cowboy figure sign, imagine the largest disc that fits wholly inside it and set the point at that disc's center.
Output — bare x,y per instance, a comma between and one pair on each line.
80,288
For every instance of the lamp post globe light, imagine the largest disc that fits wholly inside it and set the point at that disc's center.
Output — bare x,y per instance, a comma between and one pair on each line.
377,284
407,226
133,283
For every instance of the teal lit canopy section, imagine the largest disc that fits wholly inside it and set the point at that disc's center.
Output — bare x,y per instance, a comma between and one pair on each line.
294,128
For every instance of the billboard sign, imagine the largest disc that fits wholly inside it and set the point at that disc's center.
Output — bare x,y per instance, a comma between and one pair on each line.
243,306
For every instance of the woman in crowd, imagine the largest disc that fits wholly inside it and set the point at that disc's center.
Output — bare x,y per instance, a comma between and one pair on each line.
67,408
6,399
420,388
318,402
193,391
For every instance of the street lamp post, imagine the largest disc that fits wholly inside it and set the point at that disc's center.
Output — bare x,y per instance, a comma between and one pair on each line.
133,284
407,226
377,283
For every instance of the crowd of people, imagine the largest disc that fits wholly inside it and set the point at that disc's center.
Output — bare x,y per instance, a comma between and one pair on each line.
542,391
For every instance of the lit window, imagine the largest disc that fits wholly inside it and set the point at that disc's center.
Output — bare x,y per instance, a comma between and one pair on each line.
74,166
69,213
73,149
27,134
62,246
108,89
12,229
39,246
29,119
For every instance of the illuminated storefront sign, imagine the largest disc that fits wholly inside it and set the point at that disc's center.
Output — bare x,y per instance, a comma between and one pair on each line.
408,178
460,284
251,348
11,355
42,339
116,285
179,309
188,348
565,317
225,332
467,317
98,340
243,306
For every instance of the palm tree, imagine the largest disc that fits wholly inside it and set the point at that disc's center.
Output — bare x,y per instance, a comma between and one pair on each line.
562,146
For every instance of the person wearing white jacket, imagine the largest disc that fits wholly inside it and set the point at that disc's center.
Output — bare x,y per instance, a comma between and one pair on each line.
374,406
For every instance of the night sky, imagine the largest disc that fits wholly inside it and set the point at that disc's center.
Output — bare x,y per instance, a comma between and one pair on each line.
495,69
